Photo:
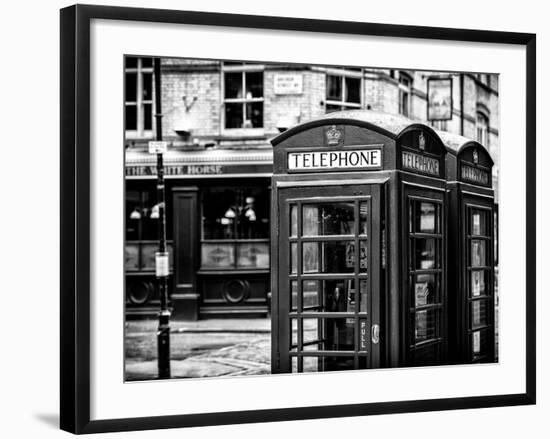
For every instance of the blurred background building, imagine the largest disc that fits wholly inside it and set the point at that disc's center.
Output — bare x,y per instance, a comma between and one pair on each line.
218,119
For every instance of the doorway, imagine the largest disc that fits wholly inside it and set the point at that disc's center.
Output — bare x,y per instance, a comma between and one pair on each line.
328,309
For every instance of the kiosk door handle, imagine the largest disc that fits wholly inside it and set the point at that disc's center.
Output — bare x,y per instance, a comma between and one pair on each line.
375,333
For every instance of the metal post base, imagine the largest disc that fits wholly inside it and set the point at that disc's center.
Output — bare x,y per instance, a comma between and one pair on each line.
163,344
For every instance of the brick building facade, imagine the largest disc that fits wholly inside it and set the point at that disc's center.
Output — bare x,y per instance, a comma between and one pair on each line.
219,118
193,98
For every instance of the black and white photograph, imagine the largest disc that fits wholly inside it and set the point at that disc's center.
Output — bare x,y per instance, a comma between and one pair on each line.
275,219
297,218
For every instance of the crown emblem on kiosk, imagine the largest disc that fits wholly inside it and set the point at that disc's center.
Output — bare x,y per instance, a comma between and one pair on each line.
475,157
333,135
421,141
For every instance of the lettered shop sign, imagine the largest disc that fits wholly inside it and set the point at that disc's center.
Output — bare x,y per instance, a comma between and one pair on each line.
332,160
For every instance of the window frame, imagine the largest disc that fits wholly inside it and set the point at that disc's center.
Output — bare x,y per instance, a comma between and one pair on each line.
482,128
140,131
243,69
440,125
439,306
234,242
487,269
141,241
405,89
362,318
342,74
484,78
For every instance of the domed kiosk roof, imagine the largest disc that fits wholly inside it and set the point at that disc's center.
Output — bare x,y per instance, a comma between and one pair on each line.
453,142
383,142
457,145
391,125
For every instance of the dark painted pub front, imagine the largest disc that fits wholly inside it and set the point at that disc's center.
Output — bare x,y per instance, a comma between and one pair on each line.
217,214
367,237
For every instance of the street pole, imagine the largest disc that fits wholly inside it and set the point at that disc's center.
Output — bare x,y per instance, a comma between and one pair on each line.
161,257
462,104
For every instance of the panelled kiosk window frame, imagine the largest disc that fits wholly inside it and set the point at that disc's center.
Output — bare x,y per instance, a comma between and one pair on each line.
331,276
472,279
358,213
424,249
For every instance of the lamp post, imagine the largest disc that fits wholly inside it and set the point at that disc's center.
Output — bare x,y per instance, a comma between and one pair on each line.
159,147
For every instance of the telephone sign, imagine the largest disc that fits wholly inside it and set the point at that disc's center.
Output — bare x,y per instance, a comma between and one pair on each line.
332,160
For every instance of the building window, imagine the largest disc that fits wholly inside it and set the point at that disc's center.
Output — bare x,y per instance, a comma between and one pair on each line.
138,99
405,84
343,91
482,129
235,228
484,78
440,125
142,235
243,95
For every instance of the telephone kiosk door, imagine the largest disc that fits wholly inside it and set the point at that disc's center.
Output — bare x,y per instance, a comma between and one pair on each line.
329,277
472,230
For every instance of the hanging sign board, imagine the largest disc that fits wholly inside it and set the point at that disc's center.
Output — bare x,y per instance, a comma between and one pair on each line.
440,98
332,160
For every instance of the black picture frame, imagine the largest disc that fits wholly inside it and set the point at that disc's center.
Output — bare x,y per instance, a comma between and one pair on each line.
75,217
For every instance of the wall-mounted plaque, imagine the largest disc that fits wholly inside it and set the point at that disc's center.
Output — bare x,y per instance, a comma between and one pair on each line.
288,84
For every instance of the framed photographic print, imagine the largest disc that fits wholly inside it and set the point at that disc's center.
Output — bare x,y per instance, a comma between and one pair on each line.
321,217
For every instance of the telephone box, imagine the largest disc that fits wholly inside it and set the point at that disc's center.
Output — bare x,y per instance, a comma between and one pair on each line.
358,244
472,244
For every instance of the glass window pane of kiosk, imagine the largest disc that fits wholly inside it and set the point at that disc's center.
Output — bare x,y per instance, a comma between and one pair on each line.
425,277
329,289
321,219
479,273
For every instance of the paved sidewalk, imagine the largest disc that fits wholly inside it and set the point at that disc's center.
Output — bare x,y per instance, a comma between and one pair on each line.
205,348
